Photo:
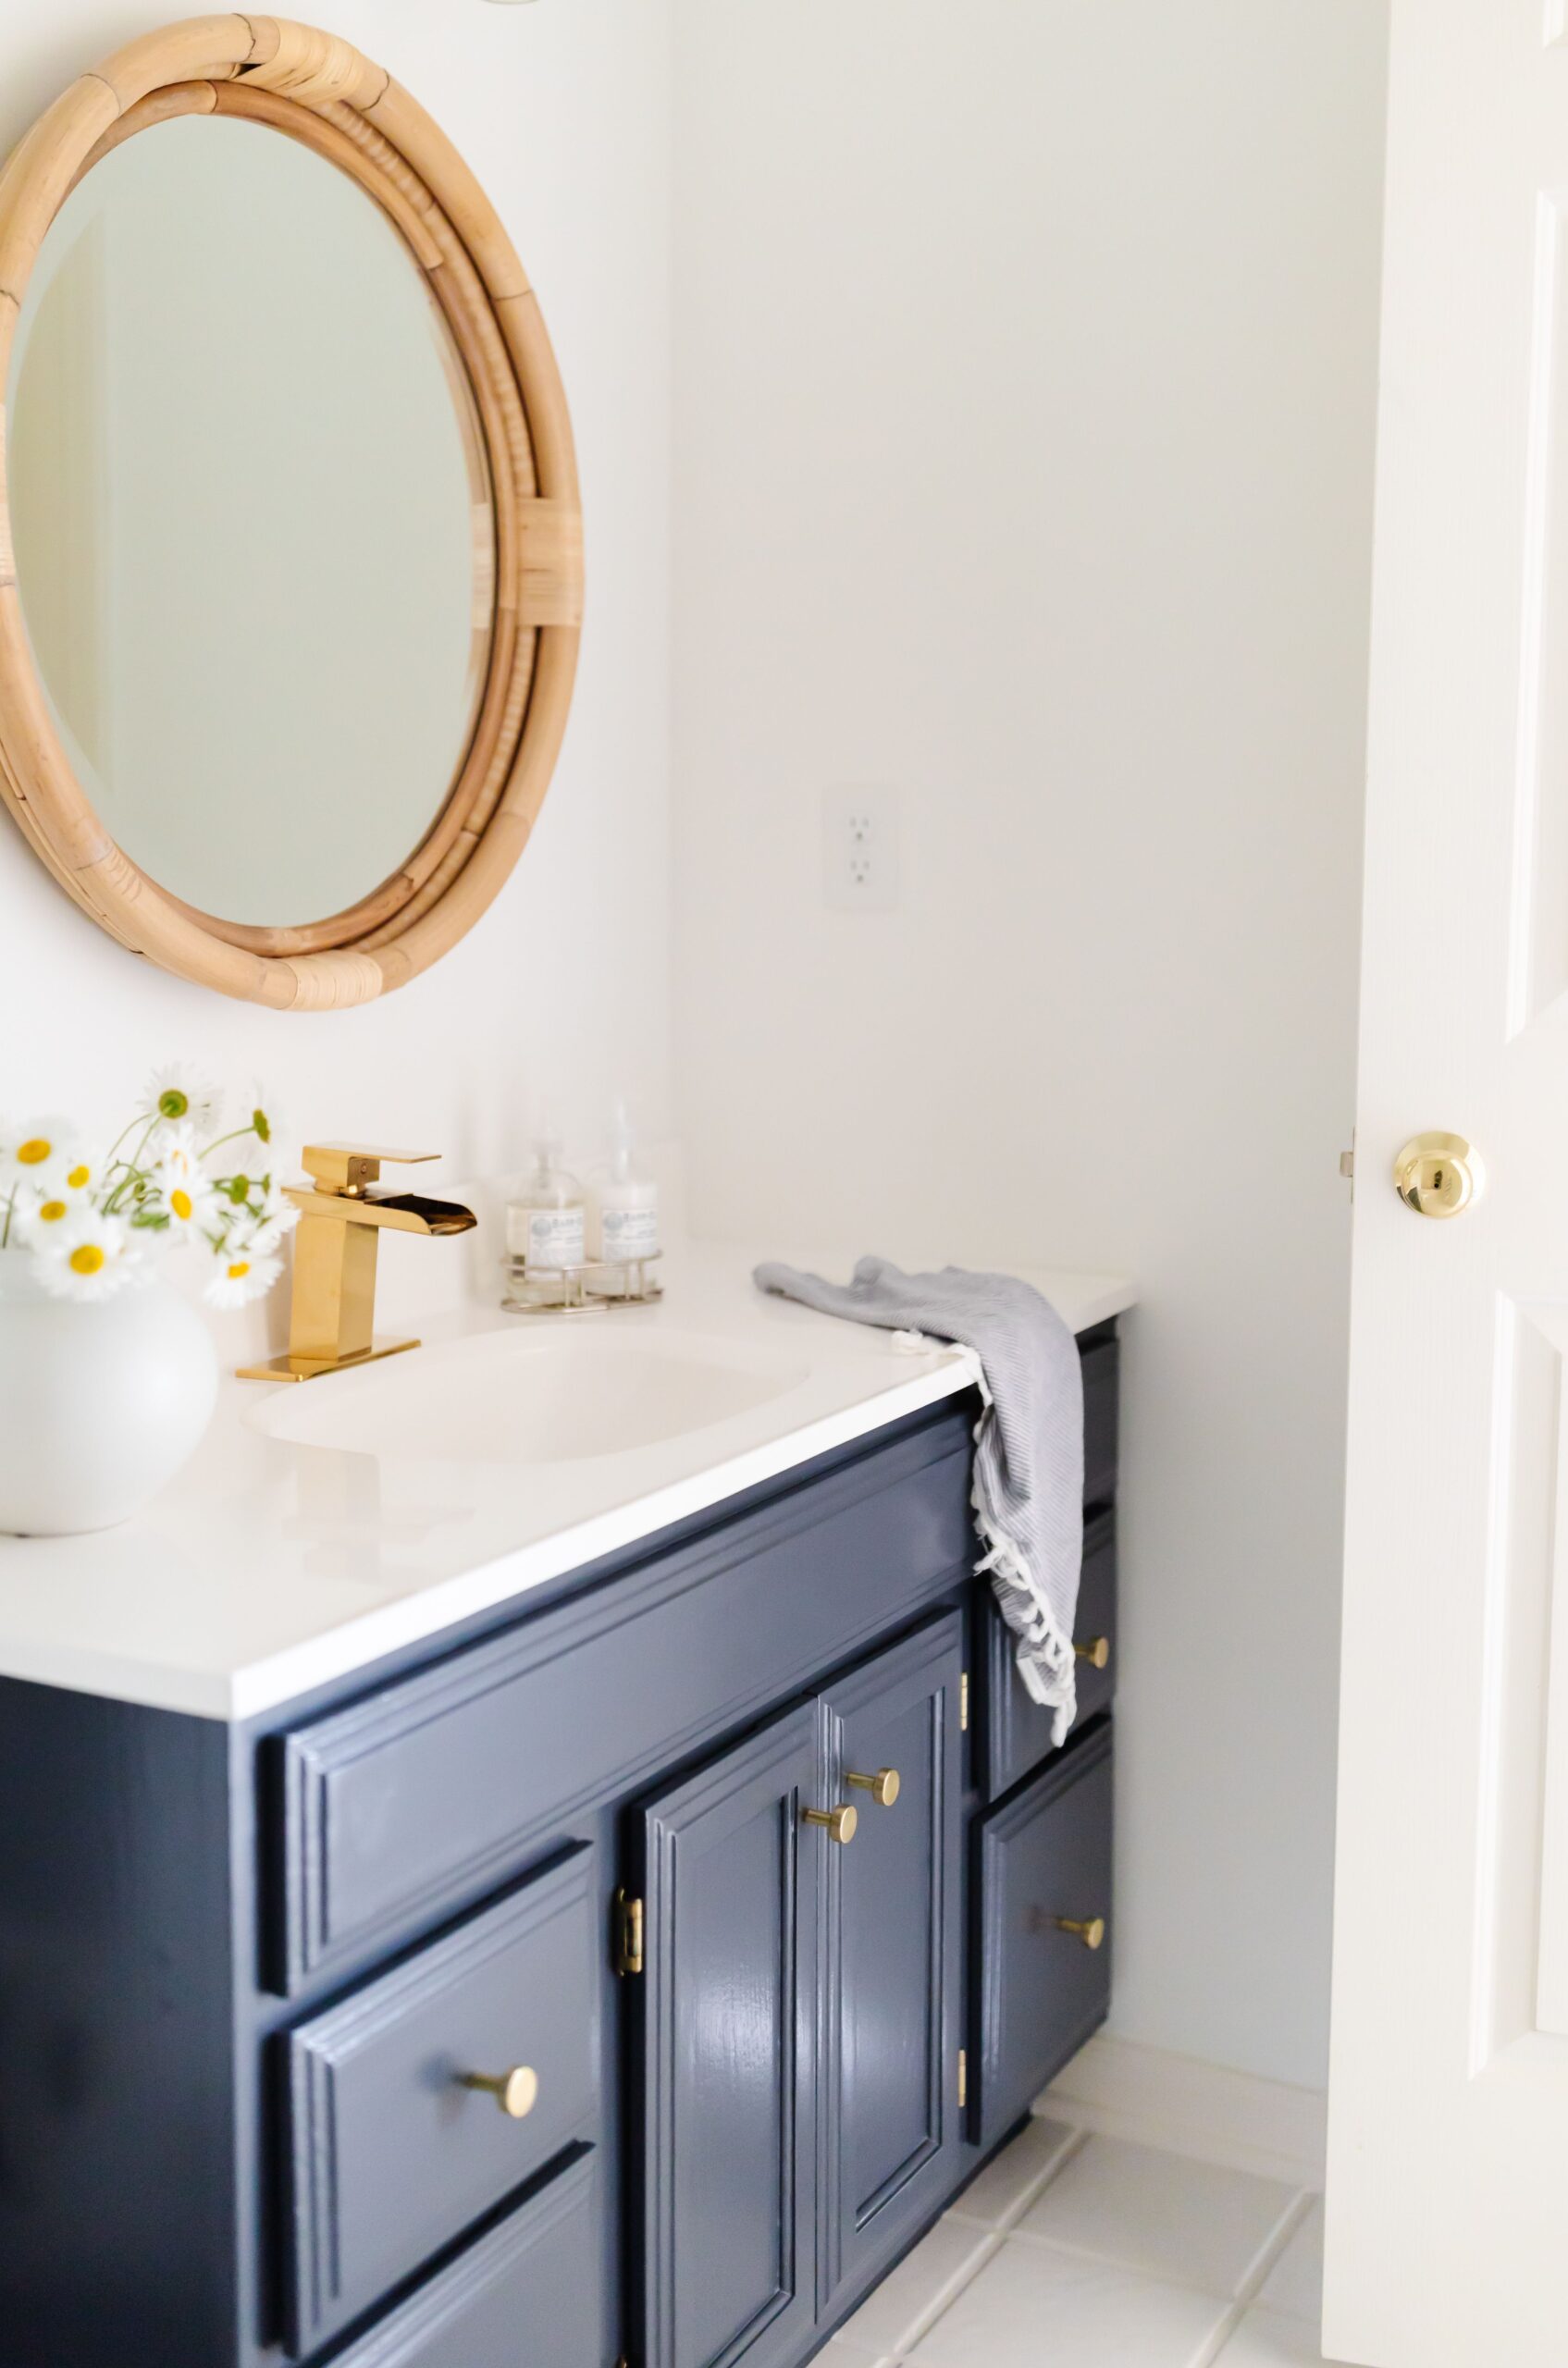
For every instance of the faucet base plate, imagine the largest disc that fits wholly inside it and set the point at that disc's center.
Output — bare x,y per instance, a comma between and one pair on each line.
292,1368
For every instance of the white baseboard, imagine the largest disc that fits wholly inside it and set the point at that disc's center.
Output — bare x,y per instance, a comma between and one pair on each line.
1156,2099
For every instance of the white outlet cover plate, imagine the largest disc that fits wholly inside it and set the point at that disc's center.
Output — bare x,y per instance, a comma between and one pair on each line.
861,871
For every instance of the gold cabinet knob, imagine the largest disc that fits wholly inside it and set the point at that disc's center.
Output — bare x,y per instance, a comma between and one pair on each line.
1097,1652
839,1823
516,2092
883,1786
1089,1930
1439,1176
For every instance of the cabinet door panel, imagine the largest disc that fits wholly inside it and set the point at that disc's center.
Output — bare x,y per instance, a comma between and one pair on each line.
730,1883
890,1958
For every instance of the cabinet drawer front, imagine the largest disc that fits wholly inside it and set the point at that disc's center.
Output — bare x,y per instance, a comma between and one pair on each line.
1044,1858
529,2295
1018,1731
407,1806
389,2156
1102,1419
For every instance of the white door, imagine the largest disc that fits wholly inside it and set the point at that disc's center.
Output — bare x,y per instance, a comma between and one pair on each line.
1448,2183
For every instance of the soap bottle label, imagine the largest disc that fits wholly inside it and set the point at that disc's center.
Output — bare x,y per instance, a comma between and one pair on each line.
628,1234
549,1237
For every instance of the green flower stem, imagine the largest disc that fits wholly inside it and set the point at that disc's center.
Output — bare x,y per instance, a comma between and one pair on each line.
134,1173
148,1117
238,1135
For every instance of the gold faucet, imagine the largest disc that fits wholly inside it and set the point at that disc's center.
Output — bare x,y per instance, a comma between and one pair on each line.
331,1318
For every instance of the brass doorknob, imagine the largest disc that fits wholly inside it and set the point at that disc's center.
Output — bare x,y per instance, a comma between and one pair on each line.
1097,1652
1091,1932
840,1823
1439,1176
882,1787
516,2092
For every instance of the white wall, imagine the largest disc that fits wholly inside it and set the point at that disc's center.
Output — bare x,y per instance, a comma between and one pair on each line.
1025,362
1024,374
564,111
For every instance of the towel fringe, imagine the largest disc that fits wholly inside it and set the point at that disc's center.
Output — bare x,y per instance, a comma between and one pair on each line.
1044,1655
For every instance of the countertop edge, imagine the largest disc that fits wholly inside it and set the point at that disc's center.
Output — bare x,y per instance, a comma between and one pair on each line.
268,1684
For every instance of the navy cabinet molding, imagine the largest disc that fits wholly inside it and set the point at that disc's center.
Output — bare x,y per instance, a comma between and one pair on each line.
253,1980
892,1957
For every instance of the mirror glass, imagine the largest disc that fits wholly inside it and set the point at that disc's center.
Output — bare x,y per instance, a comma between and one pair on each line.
252,524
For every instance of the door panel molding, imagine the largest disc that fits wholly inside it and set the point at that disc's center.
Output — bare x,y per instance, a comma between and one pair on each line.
727,2022
873,1978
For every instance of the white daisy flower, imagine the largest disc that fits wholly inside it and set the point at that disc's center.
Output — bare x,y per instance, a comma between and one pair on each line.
47,1190
180,1096
79,1174
179,1158
272,1221
264,1115
85,1255
186,1199
244,1274
32,1155
37,1214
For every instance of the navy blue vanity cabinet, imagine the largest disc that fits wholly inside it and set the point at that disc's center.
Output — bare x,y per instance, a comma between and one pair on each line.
526,2001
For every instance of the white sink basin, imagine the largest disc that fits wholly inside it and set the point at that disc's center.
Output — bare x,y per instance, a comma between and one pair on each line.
533,1395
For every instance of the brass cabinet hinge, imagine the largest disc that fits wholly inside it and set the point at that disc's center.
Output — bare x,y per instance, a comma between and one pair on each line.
963,2078
964,1703
626,1934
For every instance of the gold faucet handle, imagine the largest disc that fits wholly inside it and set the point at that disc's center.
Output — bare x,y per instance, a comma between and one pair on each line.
349,1168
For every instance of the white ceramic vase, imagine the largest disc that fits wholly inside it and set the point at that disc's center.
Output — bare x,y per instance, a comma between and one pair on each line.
100,1404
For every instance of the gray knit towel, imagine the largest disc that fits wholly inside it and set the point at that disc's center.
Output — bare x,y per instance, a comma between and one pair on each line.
1029,1441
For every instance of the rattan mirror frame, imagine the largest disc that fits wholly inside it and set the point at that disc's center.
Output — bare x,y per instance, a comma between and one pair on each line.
318,88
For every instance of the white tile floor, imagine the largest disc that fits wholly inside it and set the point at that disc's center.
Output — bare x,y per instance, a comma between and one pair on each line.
1078,2251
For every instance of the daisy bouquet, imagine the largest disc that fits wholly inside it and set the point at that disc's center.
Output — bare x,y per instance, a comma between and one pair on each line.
175,1174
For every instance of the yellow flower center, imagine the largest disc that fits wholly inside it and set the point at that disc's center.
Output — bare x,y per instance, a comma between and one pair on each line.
34,1152
78,1178
182,1205
238,1272
52,1211
87,1260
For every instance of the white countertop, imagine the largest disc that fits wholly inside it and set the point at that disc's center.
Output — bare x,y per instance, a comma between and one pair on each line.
271,1568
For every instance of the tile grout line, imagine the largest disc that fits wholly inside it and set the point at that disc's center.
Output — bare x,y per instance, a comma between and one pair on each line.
1252,2286
990,2240
1253,2277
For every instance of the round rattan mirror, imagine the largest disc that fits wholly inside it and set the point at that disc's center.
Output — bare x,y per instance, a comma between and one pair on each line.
291,572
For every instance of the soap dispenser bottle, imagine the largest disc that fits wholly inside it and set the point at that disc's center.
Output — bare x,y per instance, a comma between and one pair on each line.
628,1203
545,1228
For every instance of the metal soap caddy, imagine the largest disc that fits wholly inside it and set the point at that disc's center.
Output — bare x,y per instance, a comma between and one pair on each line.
588,1289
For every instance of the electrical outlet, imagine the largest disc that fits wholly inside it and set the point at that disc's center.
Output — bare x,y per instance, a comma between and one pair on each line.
861,850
